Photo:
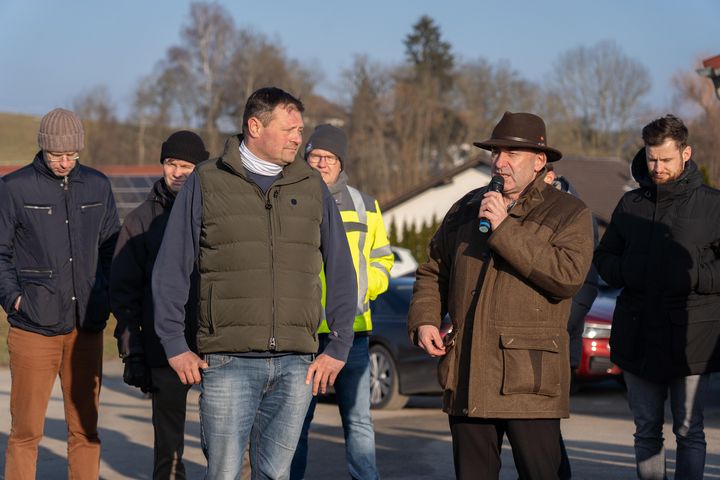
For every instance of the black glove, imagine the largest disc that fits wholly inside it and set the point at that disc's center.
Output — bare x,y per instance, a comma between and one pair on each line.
137,374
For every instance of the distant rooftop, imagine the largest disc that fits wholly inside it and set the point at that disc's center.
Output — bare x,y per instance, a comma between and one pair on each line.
712,62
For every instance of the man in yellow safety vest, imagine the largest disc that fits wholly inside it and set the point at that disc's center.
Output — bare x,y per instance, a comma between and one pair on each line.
326,152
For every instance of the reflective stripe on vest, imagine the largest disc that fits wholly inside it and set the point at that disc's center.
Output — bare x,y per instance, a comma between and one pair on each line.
359,207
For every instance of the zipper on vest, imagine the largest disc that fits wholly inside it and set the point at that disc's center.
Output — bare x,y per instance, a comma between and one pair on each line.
272,345
276,194
211,323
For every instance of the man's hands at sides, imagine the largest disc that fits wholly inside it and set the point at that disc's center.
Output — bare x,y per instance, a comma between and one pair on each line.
188,365
137,374
429,339
323,372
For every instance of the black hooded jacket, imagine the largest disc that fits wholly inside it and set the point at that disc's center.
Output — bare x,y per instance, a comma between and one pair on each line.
662,249
130,282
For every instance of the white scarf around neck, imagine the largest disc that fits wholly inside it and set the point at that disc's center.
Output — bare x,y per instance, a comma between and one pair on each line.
257,165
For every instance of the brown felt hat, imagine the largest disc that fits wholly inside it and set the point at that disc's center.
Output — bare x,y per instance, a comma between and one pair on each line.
521,130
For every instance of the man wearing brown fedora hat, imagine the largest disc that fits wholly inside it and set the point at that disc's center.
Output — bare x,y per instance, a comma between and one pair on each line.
504,368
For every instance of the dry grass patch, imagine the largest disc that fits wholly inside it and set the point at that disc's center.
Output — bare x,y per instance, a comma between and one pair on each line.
18,138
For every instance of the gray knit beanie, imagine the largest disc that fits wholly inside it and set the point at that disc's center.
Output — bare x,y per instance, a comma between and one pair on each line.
61,131
327,137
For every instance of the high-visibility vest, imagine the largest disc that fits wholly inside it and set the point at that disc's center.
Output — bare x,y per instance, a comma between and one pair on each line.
370,249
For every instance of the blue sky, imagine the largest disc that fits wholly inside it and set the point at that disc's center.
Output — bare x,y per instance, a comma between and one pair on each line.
51,51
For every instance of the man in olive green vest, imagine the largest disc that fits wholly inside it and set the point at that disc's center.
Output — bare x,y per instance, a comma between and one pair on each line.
261,227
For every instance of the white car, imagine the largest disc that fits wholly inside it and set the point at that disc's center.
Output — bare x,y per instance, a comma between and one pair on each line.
405,263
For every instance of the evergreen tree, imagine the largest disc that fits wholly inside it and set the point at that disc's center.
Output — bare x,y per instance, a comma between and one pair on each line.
428,53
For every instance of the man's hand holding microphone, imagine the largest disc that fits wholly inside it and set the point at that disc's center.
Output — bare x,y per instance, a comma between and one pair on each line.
492,207
492,212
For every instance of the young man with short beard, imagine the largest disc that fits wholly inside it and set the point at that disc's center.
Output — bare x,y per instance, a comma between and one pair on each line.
661,248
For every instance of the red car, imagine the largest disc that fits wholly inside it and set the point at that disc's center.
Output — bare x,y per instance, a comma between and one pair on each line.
595,360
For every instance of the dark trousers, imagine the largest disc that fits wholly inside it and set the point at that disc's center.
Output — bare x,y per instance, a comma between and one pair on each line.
169,399
477,443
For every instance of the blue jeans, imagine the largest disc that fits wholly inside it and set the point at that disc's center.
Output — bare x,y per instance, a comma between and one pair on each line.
260,400
687,400
352,391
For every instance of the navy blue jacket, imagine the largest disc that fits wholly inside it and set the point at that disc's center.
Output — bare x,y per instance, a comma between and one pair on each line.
56,245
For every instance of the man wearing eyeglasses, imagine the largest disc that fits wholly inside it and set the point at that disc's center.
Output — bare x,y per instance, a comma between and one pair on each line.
56,245
326,152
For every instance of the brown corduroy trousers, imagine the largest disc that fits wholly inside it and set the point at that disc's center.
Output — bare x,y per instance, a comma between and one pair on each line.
35,362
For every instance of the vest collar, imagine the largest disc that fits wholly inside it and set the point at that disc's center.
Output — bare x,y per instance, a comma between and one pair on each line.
292,173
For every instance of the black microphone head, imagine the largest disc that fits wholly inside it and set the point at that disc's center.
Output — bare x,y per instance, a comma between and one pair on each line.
497,184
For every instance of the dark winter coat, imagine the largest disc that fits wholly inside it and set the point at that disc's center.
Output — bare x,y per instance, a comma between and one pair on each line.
508,295
57,250
661,248
130,282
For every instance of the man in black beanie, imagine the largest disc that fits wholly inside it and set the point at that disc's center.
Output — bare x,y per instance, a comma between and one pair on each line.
146,366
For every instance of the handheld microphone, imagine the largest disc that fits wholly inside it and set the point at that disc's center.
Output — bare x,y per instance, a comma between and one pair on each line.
497,183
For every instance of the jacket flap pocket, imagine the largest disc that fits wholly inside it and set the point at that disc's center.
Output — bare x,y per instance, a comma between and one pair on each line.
532,365
529,342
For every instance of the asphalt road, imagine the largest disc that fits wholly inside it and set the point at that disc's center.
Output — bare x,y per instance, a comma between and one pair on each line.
413,443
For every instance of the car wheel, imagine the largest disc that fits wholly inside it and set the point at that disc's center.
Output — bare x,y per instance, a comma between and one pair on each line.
384,381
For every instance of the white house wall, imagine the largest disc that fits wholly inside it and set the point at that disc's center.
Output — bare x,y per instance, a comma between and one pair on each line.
435,201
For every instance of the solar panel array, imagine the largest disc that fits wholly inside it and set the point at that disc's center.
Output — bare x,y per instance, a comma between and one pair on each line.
130,191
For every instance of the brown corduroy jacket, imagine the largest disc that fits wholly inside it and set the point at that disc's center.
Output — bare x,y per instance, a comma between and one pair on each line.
508,295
